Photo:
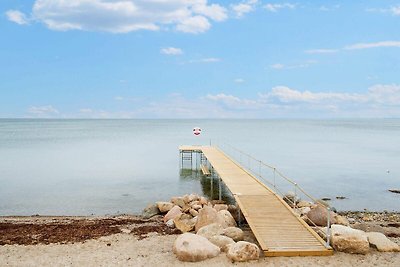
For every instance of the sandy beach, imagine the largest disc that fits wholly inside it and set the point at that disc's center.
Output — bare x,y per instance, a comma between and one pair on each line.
134,241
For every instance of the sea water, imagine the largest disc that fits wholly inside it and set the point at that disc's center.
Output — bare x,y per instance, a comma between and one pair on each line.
84,167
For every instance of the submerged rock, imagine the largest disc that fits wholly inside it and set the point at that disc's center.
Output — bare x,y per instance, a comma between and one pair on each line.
243,251
193,248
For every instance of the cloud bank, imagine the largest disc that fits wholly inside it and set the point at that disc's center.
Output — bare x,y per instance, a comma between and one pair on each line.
122,16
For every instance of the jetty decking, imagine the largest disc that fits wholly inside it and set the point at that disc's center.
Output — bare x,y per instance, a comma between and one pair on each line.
279,231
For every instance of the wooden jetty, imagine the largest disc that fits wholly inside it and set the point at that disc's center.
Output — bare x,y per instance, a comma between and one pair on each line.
279,231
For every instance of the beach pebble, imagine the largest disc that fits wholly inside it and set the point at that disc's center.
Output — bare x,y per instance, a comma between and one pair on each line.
170,223
243,251
382,243
233,232
221,241
193,248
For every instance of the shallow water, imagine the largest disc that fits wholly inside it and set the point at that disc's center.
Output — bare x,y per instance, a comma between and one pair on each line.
82,167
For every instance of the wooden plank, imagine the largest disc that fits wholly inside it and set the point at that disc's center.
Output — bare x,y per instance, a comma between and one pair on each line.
279,231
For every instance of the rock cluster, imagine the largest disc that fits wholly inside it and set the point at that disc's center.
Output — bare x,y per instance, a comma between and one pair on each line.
208,229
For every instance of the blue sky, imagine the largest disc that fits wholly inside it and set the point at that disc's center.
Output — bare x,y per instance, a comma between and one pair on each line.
199,59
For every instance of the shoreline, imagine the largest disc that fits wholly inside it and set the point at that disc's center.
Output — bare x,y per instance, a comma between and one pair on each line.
131,240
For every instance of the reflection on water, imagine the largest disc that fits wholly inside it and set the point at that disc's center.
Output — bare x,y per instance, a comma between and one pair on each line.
209,184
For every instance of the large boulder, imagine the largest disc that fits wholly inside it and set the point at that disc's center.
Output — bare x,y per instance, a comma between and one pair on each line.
349,240
189,198
164,206
191,247
208,215
319,216
150,211
304,204
173,213
233,232
210,230
229,221
382,243
221,241
185,222
243,251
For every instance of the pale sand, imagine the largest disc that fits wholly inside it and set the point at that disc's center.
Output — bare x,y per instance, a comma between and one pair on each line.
126,250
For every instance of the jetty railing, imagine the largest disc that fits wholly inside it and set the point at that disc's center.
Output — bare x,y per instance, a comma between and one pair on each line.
279,183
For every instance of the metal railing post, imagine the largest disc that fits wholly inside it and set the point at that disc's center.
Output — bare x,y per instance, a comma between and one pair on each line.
219,185
274,177
328,227
295,195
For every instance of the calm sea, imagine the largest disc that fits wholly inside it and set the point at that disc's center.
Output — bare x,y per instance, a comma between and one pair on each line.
83,167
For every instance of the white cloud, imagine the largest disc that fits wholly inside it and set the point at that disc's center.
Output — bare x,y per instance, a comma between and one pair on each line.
239,80
196,24
280,66
122,16
171,51
373,45
277,66
276,7
43,110
206,60
321,51
329,8
17,17
233,102
244,7
86,110
395,10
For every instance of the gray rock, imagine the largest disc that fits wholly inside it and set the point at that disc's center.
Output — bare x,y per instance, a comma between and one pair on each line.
221,241
233,232
382,243
150,211
170,223
178,201
210,230
243,251
193,248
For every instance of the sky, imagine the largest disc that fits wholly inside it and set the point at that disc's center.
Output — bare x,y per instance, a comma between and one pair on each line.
199,59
